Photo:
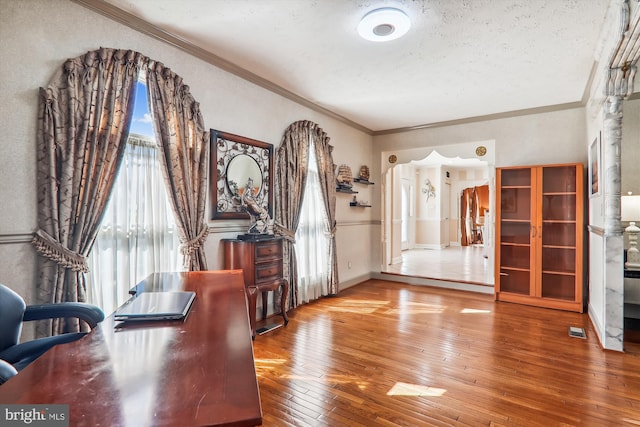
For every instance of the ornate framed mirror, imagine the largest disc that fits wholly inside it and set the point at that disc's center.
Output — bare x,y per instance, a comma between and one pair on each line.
239,164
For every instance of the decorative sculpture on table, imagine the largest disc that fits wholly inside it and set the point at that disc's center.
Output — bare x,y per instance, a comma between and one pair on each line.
261,223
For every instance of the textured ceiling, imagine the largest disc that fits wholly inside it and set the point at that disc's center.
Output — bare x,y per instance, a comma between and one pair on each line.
461,58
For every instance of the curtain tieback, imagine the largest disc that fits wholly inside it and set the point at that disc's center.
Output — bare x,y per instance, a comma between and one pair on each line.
331,233
196,243
282,231
52,249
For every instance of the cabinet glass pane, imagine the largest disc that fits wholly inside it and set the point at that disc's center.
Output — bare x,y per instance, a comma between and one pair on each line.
514,256
559,179
559,259
558,234
513,281
559,286
516,177
515,232
515,203
559,207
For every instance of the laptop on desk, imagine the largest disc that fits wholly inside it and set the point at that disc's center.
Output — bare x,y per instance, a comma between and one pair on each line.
156,306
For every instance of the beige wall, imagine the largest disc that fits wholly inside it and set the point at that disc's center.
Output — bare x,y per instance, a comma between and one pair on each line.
428,233
39,35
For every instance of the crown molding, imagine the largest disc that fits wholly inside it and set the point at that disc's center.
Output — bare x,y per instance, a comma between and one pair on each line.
116,14
496,116
146,28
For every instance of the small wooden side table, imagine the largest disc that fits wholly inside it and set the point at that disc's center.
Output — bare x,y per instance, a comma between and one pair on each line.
262,265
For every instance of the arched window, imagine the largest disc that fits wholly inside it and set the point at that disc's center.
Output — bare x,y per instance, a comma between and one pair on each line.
83,123
138,233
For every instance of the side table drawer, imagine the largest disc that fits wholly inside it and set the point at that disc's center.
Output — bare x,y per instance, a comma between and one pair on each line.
268,271
268,250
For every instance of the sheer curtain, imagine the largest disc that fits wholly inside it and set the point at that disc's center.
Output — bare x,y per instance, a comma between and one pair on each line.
138,234
312,240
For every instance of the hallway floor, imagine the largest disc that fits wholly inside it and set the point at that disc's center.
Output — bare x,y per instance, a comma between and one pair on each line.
457,263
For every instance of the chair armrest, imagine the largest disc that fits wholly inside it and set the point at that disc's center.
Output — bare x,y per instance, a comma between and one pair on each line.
87,312
6,371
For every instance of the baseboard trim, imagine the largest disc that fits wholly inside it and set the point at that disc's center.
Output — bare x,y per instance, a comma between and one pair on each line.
597,326
355,281
429,246
396,260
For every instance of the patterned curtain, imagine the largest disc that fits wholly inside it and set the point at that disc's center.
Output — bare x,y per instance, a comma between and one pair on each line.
83,124
291,165
184,148
326,171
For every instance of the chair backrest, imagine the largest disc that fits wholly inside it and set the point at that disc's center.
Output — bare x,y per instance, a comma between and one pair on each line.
11,311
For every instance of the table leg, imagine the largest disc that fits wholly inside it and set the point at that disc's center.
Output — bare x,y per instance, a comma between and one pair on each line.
283,300
252,294
265,299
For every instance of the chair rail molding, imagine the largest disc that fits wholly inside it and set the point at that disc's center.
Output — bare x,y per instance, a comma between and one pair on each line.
15,238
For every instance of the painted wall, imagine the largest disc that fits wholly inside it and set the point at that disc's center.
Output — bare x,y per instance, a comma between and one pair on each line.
428,212
39,35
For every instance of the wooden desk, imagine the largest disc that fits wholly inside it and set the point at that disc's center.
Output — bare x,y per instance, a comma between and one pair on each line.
199,372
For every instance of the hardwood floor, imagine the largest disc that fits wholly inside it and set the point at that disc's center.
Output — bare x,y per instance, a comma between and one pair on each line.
388,354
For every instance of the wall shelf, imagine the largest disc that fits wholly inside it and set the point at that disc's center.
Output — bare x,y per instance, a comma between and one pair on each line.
358,205
345,190
362,181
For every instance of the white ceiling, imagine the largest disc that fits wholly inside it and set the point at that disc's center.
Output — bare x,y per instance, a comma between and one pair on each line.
461,59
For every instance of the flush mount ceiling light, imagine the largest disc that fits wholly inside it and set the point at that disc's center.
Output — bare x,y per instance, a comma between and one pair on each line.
384,24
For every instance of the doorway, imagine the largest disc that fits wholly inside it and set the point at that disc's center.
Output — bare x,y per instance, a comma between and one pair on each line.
474,207
425,240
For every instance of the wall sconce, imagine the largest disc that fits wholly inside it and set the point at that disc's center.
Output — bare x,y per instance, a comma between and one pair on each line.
630,211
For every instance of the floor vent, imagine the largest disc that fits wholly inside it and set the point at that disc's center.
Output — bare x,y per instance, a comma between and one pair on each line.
577,332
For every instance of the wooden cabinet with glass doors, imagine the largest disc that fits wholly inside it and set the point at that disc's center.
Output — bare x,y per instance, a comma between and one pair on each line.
539,230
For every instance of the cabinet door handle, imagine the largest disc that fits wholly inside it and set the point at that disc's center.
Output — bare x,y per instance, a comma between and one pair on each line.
540,232
533,231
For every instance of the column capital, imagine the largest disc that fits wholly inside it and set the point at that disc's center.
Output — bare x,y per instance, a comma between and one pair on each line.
622,68
620,80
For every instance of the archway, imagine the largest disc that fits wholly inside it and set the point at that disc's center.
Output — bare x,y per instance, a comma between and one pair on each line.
437,181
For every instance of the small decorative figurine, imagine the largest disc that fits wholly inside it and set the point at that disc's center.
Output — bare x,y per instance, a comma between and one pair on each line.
364,173
260,220
344,177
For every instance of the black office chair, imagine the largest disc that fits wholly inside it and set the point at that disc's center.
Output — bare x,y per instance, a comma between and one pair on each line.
6,371
13,311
